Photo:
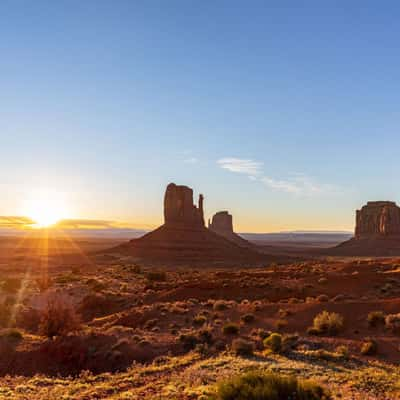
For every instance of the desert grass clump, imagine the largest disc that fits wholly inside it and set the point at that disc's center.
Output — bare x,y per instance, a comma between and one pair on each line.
289,342
199,320
369,348
230,328
343,351
247,318
376,318
269,386
242,347
326,323
58,319
392,322
220,305
273,342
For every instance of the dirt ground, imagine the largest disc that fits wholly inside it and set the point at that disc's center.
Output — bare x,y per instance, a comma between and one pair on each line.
172,321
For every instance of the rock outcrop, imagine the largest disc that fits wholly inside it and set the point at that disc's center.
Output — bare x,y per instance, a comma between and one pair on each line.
378,218
222,225
179,210
377,231
184,238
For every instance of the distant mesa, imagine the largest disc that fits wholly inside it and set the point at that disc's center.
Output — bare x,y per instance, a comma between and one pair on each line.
222,225
377,231
378,218
183,236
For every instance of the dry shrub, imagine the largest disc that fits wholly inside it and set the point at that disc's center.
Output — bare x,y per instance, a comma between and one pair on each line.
327,323
369,348
256,385
273,342
220,305
242,347
343,351
376,318
247,318
392,322
58,318
199,320
230,328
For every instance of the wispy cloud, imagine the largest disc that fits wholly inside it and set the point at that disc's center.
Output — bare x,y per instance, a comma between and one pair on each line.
297,184
241,166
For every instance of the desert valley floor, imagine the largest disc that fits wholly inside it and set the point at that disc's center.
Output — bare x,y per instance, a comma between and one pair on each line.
174,332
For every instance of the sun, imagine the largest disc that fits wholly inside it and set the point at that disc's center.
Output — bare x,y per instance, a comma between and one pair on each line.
45,208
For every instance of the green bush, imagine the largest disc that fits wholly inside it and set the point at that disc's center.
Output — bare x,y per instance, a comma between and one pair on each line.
327,323
376,318
230,329
273,342
268,386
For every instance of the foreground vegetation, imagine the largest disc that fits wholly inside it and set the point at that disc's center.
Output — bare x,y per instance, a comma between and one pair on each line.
329,330
194,376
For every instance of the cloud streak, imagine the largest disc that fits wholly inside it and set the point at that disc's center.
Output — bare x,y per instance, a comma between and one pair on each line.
241,166
15,222
296,184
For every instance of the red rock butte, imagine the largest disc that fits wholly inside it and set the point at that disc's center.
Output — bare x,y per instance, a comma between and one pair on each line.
222,224
184,237
378,218
377,231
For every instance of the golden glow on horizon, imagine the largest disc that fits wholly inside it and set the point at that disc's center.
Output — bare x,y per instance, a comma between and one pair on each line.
45,208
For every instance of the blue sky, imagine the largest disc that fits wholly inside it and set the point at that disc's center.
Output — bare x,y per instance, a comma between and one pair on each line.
284,113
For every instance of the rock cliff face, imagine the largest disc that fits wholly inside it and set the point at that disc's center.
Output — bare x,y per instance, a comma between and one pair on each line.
179,210
378,218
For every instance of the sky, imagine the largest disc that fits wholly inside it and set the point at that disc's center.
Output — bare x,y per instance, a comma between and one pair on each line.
284,113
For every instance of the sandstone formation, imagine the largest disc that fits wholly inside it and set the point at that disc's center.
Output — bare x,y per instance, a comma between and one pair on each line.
377,231
179,210
222,225
184,238
378,218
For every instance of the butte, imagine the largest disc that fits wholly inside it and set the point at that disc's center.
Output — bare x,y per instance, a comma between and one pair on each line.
377,231
184,237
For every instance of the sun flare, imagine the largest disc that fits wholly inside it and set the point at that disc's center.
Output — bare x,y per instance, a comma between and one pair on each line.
45,208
